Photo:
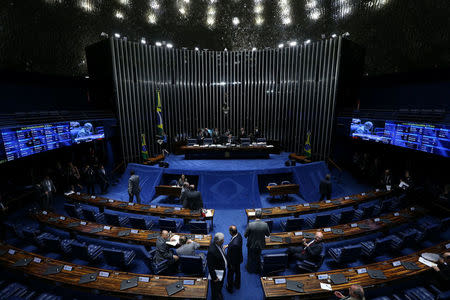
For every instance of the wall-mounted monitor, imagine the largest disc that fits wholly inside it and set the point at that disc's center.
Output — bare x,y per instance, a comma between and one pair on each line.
17,142
431,138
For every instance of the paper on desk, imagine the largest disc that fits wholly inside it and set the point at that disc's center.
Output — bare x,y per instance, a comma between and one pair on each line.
427,262
173,240
325,286
251,213
219,274
209,213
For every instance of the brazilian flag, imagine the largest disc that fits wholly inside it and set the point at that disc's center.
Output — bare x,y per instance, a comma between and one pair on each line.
144,150
307,148
159,116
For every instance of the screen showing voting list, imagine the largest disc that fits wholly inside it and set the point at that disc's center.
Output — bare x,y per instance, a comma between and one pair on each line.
424,137
24,141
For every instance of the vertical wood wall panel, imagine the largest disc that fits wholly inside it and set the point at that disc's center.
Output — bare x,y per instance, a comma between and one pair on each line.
284,92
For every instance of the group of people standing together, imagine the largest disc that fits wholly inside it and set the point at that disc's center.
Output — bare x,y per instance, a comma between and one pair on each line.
227,136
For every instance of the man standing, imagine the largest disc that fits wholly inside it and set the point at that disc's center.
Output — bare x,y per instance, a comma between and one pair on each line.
256,233
103,179
234,258
163,250
133,187
217,263
48,188
193,198
325,188
90,179
309,251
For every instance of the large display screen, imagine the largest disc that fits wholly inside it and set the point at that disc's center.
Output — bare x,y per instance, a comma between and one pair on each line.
431,138
17,142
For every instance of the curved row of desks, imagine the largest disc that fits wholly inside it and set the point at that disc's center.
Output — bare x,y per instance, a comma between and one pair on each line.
276,240
120,234
107,281
392,269
315,207
345,231
142,209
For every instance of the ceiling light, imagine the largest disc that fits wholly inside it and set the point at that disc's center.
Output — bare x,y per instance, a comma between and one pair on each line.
258,9
346,34
186,1
124,2
116,35
182,10
86,5
143,41
169,45
196,49
280,45
119,15
236,21
334,35
152,18
259,20
286,21
253,49
293,43
158,44
315,14
154,4
307,42
210,21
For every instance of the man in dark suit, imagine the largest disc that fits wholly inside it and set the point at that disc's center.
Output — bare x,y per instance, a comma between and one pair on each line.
310,251
193,199
133,187
234,258
242,134
386,180
217,263
163,250
325,188
443,269
256,233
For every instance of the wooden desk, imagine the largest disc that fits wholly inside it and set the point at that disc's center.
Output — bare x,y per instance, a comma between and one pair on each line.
312,283
221,151
350,230
155,287
138,237
299,158
315,207
154,160
283,189
168,190
142,209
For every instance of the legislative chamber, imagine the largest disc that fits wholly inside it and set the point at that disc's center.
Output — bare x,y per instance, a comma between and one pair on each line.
244,149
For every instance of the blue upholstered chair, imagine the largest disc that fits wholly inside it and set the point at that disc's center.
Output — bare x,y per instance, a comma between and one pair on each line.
273,263
319,221
269,223
140,223
155,268
345,254
292,224
310,266
115,220
285,182
404,238
73,211
364,212
346,216
118,257
91,253
35,236
92,216
14,291
199,227
207,141
376,247
192,265
169,225
419,293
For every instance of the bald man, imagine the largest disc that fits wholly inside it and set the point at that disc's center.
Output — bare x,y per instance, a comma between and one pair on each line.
163,251
310,250
355,292
234,259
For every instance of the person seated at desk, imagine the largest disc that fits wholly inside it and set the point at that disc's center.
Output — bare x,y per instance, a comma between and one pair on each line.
256,134
230,139
182,180
200,136
188,247
242,134
163,251
309,251
355,292
216,136
443,268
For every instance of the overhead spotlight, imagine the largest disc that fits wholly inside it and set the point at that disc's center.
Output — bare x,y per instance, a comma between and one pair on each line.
293,43
307,42
186,1
258,9
210,21
196,49
286,21
225,49
116,35
143,41
87,76
254,49
236,21
259,20
346,34
158,44
119,15
169,45
334,35
322,36
182,10
152,18
154,4
104,35
280,45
